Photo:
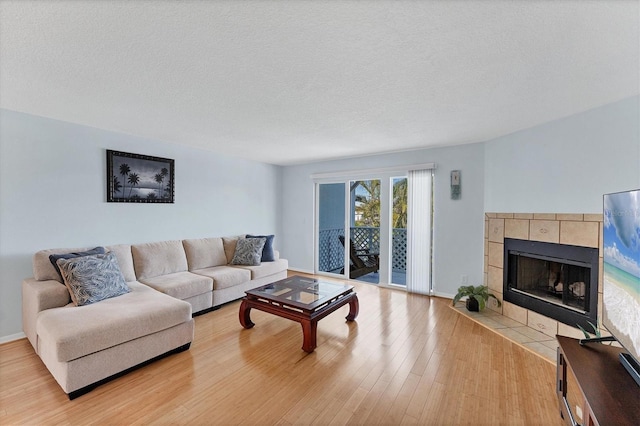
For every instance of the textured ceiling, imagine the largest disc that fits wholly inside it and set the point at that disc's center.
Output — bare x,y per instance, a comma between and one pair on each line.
287,82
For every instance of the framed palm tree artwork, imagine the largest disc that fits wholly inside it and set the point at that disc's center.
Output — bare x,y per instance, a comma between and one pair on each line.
135,178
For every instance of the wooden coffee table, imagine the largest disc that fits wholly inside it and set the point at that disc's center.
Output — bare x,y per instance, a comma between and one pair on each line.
305,300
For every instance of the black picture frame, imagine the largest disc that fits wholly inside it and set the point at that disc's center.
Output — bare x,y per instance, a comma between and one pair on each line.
136,178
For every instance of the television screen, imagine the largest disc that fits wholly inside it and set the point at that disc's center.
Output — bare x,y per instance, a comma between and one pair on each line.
621,286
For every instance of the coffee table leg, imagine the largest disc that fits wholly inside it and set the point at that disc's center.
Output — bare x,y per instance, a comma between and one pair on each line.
354,307
309,332
244,314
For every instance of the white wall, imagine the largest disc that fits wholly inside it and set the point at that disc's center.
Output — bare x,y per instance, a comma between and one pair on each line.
52,191
562,166
565,166
459,225
53,194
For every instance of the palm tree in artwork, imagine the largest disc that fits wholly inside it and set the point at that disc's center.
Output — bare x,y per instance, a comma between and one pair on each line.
124,171
164,172
117,186
134,180
151,196
159,178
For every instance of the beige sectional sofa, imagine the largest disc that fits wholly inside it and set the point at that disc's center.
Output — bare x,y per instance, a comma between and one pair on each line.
169,281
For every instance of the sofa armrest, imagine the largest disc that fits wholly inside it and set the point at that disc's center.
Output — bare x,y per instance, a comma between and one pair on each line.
38,296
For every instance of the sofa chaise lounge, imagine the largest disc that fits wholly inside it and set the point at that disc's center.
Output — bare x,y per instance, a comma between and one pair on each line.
168,281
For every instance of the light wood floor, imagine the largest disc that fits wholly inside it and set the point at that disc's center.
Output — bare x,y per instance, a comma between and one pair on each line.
407,359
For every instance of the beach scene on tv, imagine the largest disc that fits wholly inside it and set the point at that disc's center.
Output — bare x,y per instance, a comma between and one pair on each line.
621,292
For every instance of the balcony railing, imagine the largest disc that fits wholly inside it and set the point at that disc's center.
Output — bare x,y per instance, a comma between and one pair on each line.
331,251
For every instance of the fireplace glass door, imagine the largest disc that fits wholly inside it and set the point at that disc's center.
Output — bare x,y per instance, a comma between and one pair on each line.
557,281
553,280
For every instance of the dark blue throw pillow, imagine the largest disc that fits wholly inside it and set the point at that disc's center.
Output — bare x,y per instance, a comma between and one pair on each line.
267,252
53,258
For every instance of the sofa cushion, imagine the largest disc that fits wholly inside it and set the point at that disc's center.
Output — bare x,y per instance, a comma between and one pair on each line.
225,276
180,285
91,279
82,330
125,260
230,246
204,253
266,268
248,251
53,258
267,251
43,268
159,258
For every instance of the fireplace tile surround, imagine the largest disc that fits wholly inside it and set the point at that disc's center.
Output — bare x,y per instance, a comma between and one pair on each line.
574,229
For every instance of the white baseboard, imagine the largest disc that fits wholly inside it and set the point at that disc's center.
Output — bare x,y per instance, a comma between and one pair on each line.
304,271
444,295
12,337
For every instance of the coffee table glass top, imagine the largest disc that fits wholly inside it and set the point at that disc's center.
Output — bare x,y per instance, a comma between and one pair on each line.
301,291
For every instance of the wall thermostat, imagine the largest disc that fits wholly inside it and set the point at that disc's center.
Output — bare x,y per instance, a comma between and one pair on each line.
456,187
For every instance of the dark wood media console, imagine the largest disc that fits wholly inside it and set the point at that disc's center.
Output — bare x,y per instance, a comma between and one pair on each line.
593,387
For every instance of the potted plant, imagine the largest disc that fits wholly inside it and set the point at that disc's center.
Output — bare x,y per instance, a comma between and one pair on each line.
476,297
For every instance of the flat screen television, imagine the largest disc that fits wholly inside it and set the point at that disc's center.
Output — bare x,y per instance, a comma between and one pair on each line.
621,286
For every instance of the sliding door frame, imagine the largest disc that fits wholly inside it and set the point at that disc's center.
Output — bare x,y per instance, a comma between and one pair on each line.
316,228
345,177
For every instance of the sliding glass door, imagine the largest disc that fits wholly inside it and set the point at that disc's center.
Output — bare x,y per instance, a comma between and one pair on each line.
348,229
330,224
375,226
364,230
399,218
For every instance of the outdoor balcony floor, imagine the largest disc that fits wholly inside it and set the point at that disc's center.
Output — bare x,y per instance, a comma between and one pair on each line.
399,278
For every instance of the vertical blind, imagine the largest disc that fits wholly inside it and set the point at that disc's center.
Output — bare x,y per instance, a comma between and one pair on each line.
419,225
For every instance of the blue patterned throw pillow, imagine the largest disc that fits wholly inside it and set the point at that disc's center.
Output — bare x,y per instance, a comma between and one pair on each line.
54,257
91,279
248,251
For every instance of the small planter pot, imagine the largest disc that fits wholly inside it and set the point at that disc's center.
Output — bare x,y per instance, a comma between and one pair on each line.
472,305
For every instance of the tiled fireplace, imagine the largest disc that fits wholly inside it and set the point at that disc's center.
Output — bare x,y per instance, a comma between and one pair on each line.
583,230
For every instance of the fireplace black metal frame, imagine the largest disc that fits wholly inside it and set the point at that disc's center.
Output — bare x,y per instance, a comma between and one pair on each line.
561,253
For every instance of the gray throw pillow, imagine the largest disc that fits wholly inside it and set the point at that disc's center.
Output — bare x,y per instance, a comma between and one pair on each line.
268,255
91,279
248,251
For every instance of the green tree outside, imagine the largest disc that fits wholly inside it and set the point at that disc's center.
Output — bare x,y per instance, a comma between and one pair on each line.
367,205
